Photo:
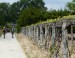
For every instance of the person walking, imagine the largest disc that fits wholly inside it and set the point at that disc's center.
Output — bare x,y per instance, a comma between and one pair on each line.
4,31
12,31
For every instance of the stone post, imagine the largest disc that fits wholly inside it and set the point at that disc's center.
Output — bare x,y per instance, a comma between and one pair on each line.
46,36
23,30
72,36
29,32
37,34
32,32
41,35
26,31
53,34
64,41
50,36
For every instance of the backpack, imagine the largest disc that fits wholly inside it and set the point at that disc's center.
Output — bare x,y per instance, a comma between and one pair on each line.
4,30
12,30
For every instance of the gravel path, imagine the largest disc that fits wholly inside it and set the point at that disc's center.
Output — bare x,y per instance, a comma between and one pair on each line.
10,48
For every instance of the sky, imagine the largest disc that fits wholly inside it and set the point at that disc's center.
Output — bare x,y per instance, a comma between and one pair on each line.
9,1
50,4
56,4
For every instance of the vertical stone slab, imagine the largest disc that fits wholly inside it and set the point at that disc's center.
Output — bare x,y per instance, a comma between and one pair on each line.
29,31
53,34
26,31
64,41
23,30
41,35
58,43
57,36
30,36
72,36
50,35
46,36
37,34
32,32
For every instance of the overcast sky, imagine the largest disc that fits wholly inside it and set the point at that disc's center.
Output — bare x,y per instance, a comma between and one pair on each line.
50,4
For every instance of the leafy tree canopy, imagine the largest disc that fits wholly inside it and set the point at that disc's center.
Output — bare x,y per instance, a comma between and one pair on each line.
4,11
30,15
71,6
33,3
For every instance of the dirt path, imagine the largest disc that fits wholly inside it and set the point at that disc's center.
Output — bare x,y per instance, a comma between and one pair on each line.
10,48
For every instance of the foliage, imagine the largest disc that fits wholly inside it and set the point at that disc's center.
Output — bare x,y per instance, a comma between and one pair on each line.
18,29
14,11
71,6
33,3
31,11
58,13
29,16
69,17
27,12
4,8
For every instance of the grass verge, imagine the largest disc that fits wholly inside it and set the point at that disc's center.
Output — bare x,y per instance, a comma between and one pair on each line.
0,33
30,48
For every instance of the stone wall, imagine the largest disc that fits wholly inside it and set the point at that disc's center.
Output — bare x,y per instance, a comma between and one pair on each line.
52,37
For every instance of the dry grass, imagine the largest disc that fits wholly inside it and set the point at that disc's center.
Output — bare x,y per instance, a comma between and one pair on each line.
30,48
0,32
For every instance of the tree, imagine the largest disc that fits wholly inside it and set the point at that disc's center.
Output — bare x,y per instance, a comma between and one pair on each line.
17,7
52,14
38,4
30,16
33,3
14,11
4,11
31,11
71,6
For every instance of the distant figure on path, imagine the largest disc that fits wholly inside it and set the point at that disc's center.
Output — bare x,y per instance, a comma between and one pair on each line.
12,31
4,31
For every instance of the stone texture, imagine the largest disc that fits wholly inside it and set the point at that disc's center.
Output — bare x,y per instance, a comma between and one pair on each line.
64,41
48,34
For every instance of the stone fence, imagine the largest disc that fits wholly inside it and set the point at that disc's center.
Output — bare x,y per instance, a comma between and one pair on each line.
53,37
